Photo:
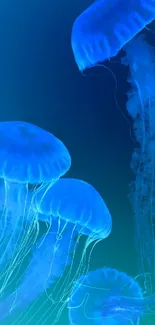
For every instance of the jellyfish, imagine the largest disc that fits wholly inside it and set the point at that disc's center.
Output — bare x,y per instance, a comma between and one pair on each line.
45,265
28,155
102,30
80,214
107,296
140,58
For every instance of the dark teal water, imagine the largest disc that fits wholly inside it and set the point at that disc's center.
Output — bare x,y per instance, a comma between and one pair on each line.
40,83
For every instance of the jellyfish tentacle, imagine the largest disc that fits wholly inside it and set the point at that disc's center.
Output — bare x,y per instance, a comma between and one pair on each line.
28,154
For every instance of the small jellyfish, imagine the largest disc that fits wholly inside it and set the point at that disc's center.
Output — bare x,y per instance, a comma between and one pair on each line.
102,30
28,154
107,296
83,217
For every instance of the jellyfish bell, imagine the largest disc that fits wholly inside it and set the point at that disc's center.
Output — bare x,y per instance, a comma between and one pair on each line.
102,30
107,296
81,213
76,202
28,154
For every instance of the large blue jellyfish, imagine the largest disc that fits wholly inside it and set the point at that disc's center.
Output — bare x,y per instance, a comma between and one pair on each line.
28,154
81,216
101,31
140,57
107,296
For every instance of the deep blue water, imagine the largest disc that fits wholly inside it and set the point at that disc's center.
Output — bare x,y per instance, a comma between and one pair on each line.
40,83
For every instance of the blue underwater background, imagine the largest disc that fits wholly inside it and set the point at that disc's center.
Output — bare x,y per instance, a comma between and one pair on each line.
40,83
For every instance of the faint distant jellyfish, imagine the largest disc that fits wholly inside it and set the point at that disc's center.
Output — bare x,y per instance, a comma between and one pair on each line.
82,216
102,30
107,296
28,154
140,58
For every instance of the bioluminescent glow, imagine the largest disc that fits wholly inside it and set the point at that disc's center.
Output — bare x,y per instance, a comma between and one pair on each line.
28,155
82,218
102,30
107,296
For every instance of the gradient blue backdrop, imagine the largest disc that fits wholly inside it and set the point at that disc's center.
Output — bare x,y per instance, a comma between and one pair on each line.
40,83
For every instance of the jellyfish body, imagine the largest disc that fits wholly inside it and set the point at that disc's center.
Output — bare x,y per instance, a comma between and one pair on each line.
81,213
107,296
28,154
141,108
101,31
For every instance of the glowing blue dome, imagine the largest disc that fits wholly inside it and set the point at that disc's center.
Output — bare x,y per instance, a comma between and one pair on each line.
101,31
